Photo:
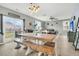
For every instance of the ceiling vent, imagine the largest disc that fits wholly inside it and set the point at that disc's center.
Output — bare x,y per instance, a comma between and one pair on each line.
13,15
51,17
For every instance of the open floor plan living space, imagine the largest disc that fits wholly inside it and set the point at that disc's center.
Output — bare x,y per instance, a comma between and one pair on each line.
39,29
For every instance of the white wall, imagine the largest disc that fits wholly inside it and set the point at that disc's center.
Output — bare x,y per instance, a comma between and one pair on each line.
56,25
27,18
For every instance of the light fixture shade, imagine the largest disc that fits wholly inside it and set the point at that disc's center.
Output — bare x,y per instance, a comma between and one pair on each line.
33,7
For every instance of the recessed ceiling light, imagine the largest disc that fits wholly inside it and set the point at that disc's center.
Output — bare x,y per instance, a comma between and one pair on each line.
44,15
16,9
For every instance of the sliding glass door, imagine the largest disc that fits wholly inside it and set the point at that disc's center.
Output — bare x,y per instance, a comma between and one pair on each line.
10,25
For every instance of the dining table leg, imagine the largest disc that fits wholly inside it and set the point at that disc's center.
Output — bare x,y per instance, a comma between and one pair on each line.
39,53
29,50
18,46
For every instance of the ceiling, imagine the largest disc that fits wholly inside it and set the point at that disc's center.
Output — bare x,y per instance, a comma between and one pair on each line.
57,10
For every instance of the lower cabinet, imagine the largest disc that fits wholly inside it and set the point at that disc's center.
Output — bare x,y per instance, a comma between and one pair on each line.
70,36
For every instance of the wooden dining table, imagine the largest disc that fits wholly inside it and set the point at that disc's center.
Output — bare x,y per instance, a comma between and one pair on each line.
37,37
42,37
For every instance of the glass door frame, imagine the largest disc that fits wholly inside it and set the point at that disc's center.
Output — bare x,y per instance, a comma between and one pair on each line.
1,24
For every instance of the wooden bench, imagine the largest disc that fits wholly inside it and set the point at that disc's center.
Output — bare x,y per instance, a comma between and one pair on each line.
48,48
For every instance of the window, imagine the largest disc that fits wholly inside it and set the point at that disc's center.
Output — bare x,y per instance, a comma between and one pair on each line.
37,25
